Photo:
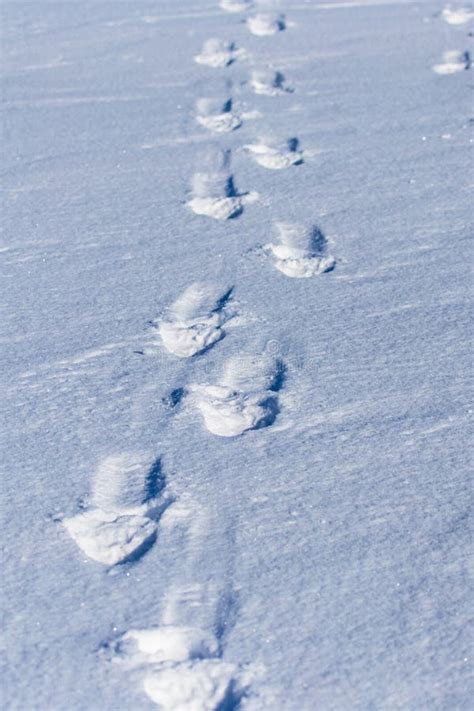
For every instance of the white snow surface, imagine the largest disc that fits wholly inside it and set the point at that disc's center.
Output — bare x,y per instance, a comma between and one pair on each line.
274,517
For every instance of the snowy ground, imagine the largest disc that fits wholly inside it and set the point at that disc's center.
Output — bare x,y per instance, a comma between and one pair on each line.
317,557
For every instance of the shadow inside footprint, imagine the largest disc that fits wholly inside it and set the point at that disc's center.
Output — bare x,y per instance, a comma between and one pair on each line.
319,246
232,700
220,303
272,409
293,144
226,617
137,553
293,147
280,375
155,481
173,398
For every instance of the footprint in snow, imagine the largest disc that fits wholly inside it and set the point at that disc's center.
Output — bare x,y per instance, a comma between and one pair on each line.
126,504
274,154
269,83
235,5
167,643
301,251
194,322
199,685
182,670
266,24
218,53
213,193
458,16
453,62
245,398
217,115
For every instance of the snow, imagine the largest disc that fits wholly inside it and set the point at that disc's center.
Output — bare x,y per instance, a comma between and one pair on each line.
217,115
459,15
453,62
166,644
196,686
268,83
266,24
279,519
244,398
275,155
217,53
196,320
301,251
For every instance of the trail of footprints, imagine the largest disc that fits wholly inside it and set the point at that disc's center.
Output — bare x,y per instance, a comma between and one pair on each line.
181,665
